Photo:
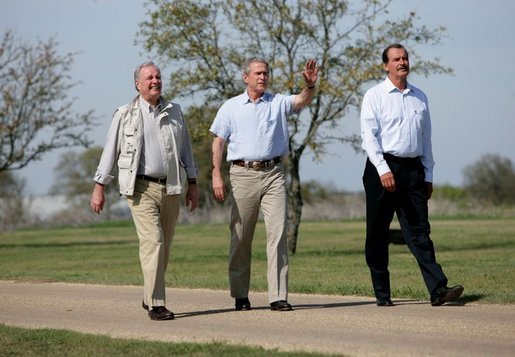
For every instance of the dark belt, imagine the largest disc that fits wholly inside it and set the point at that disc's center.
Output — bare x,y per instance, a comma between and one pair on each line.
161,180
401,160
256,165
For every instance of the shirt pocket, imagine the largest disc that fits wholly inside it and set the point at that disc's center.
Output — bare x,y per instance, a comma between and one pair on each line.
418,117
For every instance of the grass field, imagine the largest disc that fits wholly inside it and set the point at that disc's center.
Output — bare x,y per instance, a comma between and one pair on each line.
477,253
50,343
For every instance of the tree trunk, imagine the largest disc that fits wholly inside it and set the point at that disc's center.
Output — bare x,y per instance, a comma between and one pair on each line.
294,202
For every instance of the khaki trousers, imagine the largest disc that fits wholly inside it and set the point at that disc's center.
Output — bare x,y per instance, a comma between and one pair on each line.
252,190
155,216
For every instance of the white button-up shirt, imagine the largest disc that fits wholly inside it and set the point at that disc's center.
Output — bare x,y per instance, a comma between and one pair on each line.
397,123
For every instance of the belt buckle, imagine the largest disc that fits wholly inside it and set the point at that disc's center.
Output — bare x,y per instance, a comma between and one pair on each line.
256,165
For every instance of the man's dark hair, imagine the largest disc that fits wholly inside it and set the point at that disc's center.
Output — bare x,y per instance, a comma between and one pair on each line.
395,45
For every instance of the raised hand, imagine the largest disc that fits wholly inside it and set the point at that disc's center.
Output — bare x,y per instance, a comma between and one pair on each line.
310,73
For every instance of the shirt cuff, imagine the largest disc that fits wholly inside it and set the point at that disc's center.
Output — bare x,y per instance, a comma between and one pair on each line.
103,179
383,168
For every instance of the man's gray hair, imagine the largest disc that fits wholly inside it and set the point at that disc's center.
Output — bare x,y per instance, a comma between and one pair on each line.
245,68
138,70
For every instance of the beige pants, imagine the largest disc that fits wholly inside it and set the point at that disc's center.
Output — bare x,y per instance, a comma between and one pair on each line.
155,216
252,190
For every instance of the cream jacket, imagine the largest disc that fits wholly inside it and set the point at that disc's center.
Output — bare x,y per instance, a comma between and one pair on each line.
124,145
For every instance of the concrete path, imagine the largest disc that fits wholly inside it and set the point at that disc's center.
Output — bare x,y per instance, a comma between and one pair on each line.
348,325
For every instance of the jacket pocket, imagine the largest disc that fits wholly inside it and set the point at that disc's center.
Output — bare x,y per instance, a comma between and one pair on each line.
128,140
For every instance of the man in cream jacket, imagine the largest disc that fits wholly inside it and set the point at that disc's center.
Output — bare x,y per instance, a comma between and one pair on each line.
149,142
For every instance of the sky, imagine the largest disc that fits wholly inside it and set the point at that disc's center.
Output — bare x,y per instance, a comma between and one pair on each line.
473,111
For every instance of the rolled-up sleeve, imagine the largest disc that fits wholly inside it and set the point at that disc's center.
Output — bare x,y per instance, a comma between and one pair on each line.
104,175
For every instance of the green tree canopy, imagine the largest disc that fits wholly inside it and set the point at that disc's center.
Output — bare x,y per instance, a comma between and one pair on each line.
204,43
74,180
491,179
13,208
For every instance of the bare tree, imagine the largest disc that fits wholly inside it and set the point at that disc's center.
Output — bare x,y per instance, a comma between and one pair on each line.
35,112
206,41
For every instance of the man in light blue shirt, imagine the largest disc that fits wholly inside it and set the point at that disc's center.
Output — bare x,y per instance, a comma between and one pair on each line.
396,133
254,126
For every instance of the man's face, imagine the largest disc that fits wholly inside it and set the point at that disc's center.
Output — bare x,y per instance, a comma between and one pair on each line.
257,78
398,63
149,84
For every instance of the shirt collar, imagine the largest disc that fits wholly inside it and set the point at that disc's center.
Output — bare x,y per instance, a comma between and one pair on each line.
264,98
144,105
390,87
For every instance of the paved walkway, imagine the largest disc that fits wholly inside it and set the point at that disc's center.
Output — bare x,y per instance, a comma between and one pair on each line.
348,325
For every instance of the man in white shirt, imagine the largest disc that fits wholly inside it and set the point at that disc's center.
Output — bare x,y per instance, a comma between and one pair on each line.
396,134
148,141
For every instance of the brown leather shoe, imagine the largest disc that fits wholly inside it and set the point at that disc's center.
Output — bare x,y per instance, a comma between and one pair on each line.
143,305
445,294
160,313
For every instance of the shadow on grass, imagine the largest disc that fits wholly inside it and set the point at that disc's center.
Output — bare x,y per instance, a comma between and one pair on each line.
465,299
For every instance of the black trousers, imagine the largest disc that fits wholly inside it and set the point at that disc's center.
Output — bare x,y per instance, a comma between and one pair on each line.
409,202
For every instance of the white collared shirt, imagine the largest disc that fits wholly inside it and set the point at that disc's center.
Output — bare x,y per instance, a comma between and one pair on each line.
397,123
153,157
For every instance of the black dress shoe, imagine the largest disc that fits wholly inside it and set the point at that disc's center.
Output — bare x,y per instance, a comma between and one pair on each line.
445,294
145,306
160,313
242,304
281,305
384,302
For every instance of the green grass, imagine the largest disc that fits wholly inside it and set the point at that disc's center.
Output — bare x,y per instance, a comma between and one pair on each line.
46,342
478,253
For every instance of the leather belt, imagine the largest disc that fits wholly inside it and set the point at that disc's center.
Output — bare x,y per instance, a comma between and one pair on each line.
161,180
256,165
401,160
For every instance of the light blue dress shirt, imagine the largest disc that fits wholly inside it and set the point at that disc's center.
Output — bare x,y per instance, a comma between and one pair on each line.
397,123
254,131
